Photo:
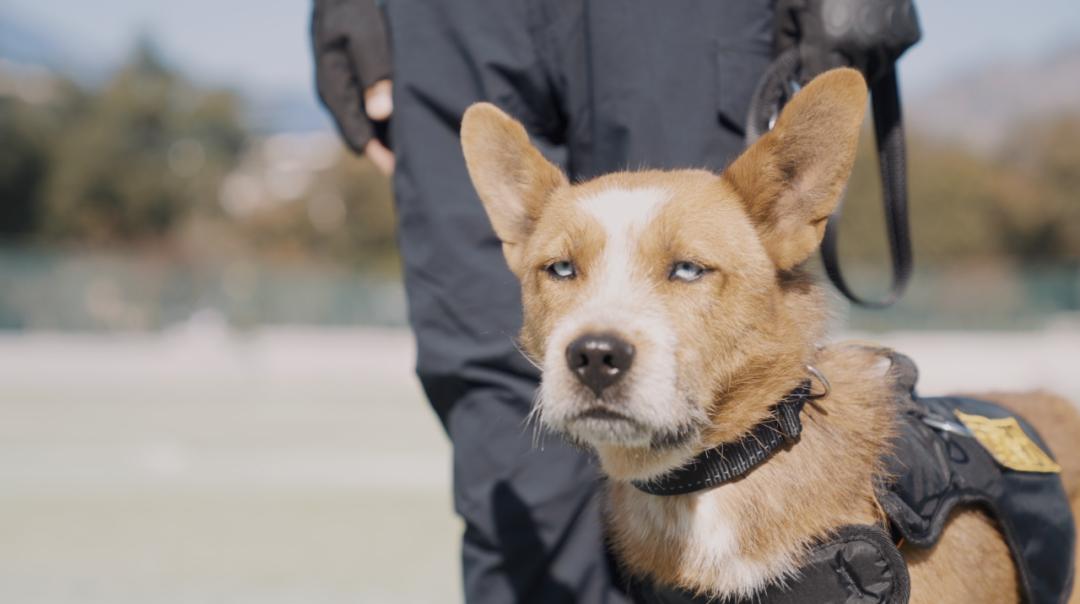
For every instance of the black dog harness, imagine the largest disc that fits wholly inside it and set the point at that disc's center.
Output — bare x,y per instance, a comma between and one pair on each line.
950,451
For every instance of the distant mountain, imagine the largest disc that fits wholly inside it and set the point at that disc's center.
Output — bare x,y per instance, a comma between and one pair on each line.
24,43
271,111
981,106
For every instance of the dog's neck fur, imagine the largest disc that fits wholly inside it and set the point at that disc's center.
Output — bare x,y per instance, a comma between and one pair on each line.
737,538
776,366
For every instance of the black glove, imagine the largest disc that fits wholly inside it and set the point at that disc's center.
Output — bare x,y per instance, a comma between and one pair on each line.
352,52
869,35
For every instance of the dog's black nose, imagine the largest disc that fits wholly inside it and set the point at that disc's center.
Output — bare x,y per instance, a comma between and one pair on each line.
599,360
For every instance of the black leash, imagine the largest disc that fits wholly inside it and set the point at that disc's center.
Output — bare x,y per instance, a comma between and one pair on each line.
815,35
892,160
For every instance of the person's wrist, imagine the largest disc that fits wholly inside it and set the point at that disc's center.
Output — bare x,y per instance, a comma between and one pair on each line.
379,101
380,156
379,107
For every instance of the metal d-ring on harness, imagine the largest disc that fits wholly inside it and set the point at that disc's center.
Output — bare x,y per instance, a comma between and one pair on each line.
812,36
825,385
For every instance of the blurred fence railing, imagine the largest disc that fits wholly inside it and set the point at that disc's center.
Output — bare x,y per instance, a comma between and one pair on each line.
976,296
66,291
99,291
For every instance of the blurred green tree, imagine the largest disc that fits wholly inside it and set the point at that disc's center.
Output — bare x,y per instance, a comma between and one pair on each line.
23,167
1039,181
345,217
1016,205
143,154
30,131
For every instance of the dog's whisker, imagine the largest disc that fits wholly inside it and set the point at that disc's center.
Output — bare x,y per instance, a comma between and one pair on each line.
773,429
525,354
535,419
757,440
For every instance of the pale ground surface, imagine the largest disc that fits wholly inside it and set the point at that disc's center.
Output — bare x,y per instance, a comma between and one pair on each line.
291,466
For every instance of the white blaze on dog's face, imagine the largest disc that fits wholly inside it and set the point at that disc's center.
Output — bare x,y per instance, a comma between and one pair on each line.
647,295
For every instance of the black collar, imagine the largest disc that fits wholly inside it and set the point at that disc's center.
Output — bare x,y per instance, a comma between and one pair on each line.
733,460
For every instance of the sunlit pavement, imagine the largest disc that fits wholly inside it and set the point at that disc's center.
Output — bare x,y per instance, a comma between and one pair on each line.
198,466
285,466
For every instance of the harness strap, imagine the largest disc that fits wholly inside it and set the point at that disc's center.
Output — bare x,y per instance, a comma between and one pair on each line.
857,565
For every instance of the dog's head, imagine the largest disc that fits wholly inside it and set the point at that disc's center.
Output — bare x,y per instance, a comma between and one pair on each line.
650,297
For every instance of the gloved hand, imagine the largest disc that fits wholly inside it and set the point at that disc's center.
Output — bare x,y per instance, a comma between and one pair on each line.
868,35
352,71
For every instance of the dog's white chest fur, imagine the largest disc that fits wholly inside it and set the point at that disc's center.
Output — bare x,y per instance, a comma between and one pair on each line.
705,529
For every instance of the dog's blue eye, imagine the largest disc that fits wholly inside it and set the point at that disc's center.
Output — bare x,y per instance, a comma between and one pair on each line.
686,271
563,269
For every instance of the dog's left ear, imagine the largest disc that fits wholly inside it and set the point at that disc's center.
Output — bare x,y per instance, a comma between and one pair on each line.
791,179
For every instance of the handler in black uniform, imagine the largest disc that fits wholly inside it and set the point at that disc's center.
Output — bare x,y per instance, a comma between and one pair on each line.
604,85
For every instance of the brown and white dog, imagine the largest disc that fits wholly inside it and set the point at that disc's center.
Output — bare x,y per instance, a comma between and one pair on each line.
669,311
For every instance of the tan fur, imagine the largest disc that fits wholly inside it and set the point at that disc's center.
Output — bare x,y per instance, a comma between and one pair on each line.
829,484
791,178
743,334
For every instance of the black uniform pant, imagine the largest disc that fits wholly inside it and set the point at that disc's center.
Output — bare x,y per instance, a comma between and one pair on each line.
608,85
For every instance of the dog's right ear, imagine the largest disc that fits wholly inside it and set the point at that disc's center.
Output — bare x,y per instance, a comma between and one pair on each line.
792,178
511,177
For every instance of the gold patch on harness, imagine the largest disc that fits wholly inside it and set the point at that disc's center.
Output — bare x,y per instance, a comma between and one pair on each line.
1008,443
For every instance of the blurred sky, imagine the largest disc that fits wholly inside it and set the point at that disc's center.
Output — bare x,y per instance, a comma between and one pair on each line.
262,44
